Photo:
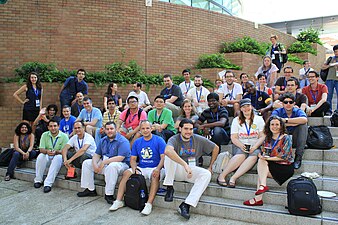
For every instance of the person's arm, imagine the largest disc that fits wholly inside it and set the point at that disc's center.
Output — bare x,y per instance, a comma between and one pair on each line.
172,99
133,163
219,123
130,134
278,91
214,155
18,92
105,103
295,121
31,142
64,152
120,103
258,143
324,98
62,87
268,107
79,153
235,140
91,123
170,152
238,98
95,162
41,98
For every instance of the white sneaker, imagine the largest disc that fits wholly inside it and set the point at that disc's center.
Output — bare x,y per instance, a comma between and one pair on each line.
147,209
117,204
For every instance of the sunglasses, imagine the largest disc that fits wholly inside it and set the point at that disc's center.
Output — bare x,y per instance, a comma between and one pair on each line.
288,102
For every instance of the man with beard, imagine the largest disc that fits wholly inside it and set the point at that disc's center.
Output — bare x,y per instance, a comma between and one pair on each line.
78,104
51,144
83,144
149,149
296,122
111,159
173,95
198,95
230,94
182,153
261,101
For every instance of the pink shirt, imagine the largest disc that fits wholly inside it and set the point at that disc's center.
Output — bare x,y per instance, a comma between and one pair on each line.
132,121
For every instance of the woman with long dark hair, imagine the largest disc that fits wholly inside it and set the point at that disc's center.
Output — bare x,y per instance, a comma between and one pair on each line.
276,161
246,137
269,69
32,103
112,93
23,145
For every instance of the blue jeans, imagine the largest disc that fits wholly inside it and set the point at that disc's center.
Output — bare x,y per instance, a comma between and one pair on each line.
331,85
219,136
17,159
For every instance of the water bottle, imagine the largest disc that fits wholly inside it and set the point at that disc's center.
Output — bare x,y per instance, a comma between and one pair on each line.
142,194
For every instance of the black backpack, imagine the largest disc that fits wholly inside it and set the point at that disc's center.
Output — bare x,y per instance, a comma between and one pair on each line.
284,56
302,197
319,137
324,73
138,114
334,119
136,195
6,156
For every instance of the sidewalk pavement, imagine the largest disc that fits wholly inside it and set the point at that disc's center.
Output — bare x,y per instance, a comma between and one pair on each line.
21,203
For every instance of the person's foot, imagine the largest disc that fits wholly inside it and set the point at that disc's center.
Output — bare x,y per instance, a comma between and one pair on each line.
183,209
169,196
221,183
253,202
200,161
147,209
116,205
86,193
298,162
37,184
47,189
110,199
231,184
7,178
262,189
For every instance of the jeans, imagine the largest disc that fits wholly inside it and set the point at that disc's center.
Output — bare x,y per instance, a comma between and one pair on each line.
165,134
17,159
299,135
219,136
331,85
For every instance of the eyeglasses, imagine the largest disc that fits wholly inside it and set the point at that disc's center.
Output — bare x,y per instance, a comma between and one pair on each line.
312,77
229,76
132,102
287,72
288,102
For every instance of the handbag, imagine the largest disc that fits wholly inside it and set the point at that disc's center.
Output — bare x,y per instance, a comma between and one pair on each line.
324,73
6,156
221,162
319,137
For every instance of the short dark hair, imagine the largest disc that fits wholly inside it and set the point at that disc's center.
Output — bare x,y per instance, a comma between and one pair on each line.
80,121
159,96
185,121
317,74
293,79
18,128
66,106
81,70
186,71
288,95
288,67
261,75
240,76
85,99
110,100
52,106
138,84
305,61
335,47
213,95
132,96
53,120
110,123
229,71
168,75
198,76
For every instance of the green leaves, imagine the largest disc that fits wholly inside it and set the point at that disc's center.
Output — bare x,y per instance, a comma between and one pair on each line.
245,44
295,59
302,46
215,61
310,35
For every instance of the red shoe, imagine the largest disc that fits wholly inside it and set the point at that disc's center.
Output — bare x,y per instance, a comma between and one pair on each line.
256,203
261,191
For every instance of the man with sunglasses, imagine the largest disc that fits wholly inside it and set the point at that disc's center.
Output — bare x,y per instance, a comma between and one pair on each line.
317,95
296,122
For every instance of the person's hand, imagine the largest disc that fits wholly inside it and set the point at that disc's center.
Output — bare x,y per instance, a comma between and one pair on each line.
206,131
210,169
188,170
50,153
25,156
224,102
26,100
101,130
308,112
128,136
67,163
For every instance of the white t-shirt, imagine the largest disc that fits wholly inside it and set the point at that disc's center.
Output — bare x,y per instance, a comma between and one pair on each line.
142,97
302,72
202,94
256,127
232,93
88,139
186,87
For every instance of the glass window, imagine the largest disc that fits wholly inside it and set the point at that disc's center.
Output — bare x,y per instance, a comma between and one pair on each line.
203,4
181,2
215,8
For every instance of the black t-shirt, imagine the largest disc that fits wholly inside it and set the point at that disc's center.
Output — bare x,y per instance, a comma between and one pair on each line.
211,117
173,91
281,82
259,100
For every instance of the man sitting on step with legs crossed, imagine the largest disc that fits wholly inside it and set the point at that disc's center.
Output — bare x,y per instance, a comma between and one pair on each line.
150,151
182,153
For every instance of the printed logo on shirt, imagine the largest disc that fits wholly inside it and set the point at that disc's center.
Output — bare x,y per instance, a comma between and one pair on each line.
146,153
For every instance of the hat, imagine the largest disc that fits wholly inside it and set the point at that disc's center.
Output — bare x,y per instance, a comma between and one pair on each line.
245,101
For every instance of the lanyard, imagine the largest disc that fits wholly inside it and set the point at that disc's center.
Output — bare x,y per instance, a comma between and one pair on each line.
78,141
132,119
275,143
231,94
66,127
198,96
36,92
187,87
158,119
247,129
259,88
190,145
23,141
79,108
168,90
90,118
284,83
314,97
54,143
113,118
212,114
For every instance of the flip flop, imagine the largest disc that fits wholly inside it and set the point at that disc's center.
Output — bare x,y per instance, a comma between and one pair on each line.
231,184
221,183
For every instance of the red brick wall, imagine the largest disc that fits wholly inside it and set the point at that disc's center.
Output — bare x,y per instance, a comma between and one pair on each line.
164,38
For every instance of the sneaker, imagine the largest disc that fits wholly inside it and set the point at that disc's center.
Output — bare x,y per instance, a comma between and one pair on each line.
183,209
147,209
117,204
37,184
47,189
86,193
109,198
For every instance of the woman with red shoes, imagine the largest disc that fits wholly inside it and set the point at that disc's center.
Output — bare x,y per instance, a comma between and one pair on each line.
276,161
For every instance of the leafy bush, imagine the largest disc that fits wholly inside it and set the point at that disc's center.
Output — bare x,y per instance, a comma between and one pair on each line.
245,44
42,69
310,35
215,61
298,47
295,59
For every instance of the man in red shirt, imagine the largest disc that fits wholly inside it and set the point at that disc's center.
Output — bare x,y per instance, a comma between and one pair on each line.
317,96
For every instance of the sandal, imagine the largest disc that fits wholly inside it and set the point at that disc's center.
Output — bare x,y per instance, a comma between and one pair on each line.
221,183
231,184
7,178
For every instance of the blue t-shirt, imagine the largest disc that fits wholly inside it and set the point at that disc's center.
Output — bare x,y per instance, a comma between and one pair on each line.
88,117
67,126
72,86
117,147
149,152
296,112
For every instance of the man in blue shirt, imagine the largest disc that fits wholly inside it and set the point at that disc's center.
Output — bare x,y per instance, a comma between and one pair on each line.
72,86
90,116
111,159
296,122
150,151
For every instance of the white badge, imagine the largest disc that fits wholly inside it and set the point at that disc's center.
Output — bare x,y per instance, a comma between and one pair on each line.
191,161
37,103
337,73
312,106
273,56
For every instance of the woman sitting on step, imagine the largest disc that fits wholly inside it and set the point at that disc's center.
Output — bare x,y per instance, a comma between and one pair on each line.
246,136
276,161
23,146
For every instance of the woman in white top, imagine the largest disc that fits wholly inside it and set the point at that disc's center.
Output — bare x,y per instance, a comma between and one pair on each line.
246,136
269,69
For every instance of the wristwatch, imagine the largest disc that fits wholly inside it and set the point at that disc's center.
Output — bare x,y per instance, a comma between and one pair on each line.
286,120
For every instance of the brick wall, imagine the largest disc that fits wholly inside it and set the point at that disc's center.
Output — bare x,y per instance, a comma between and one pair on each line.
164,38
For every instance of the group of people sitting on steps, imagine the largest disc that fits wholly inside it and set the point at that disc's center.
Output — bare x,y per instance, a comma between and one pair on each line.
167,140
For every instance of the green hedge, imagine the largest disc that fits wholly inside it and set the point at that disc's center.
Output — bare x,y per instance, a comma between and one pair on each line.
215,61
245,44
299,46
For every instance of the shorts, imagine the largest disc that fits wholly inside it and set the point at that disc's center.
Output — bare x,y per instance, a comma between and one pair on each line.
146,172
236,150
